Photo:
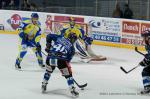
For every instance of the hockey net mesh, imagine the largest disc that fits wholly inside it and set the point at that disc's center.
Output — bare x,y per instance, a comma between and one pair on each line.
57,26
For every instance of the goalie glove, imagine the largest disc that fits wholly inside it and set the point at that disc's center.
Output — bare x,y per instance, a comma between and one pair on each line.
146,61
88,40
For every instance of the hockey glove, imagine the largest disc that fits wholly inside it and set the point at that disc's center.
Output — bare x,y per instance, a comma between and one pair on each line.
38,48
88,40
25,37
59,54
146,61
48,46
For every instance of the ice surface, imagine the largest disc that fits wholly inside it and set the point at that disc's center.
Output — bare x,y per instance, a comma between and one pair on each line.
105,79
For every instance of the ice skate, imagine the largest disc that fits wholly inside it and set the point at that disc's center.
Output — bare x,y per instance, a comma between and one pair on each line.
42,66
74,92
44,86
146,90
17,66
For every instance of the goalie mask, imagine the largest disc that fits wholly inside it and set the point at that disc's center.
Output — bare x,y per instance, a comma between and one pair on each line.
146,37
71,22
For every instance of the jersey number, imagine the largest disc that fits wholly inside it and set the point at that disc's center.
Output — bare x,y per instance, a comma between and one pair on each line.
59,48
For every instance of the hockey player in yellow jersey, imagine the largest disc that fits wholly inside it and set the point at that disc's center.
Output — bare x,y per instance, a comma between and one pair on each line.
29,36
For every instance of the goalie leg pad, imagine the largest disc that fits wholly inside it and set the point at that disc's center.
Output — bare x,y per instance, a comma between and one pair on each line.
81,50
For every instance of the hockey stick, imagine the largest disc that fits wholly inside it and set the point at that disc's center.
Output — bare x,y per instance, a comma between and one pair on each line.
80,86
129,70
136,49
135,66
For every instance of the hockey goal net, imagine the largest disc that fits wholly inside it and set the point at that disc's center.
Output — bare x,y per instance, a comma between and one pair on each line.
57,26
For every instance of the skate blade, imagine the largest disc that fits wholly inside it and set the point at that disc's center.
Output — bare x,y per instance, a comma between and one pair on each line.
43,91
74,96
19,69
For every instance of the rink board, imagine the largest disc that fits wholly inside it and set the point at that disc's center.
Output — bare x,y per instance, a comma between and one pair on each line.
102,43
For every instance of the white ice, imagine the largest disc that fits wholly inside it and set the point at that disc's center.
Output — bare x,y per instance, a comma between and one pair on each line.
105,79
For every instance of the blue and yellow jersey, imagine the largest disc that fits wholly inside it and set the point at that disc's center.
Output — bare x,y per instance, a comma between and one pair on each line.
75,29
33,31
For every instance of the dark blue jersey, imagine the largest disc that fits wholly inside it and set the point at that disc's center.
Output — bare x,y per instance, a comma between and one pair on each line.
62,48
147,48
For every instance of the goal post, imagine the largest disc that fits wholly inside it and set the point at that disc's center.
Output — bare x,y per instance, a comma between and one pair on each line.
57,26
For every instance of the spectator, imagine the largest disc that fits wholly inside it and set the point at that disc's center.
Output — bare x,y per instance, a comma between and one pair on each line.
0,4
117,13
127,12
33,7
17,4
12,5
26,6
3,4
6,4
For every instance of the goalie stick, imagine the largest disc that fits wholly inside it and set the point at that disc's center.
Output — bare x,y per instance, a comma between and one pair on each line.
80,86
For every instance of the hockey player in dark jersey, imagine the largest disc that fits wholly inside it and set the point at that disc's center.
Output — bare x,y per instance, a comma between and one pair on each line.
60,55
146,63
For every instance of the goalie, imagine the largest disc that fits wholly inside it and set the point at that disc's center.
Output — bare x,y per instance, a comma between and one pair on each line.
82,36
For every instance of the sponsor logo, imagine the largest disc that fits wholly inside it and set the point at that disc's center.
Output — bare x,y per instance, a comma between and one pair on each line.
14,21
95,24
66,19
145,26
130,27
132,41
106,38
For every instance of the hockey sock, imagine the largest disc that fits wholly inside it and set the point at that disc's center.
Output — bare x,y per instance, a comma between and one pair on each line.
47,75
70,82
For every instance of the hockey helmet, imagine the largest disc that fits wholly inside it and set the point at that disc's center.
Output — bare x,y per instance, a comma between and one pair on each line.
146,33
71,21
34,18
146,37
34,15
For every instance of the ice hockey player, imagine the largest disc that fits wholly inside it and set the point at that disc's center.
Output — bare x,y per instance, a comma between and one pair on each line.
60,55
82,36
29,36
146,63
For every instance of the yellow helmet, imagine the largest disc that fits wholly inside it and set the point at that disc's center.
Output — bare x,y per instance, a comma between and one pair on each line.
71,21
